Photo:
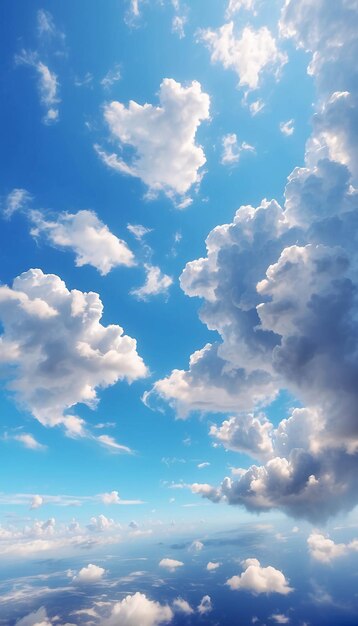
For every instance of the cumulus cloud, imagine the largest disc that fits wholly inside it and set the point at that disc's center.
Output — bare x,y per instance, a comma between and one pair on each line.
170,564
16,200
236,5
279,286
111,498
211,566
48,84
257,579
250,54
232,150
164,160
90,239
182,606
27,440
90,574
36,502
156,283
205,606
60,352
324,549
138,609
196,546
36,618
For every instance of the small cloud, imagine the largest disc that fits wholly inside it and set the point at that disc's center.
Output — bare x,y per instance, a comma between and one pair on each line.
279,618
111,443
90,574
202,465
257,579
182,606
205,605
36,502
170,564
111,77
287,128
138,230
196,546
232,150
155,283
110,498
28,441
211,566
256,106
17,200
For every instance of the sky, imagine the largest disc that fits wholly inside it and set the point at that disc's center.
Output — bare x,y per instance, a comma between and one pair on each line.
178,313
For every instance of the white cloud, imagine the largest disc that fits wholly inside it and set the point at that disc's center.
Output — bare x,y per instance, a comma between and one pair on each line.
182,606
205,605
113,75
246,433
138,609
178,23
196,546
232,150
170,564
61,351
90,239
101,523
111,498
287,128
164,160
324,549
47,84
28,441
211,566
112,444
257,579
37,618
138,230
280,618
236,5
250,54
16,200
36,502
256,106
203,465
156,283
90,574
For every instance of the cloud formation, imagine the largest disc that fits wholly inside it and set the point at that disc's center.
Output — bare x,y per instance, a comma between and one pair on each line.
164,160
90,574
58,350
324,549
48,84
257,579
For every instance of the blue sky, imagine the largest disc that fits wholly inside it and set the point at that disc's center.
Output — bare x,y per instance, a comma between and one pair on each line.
178,312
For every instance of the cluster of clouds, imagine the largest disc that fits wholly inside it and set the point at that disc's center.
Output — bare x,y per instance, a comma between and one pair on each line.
279,285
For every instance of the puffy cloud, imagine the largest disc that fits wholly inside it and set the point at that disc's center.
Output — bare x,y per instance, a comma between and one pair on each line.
90,239
279,286
111,498
324,549
196,546
249,55
155,283
170,564
36,502
211,566
182,606
100,523
90,574
16,200
205,606
61,351
138,609
257,579
236,5
138,230
287,128
47,84
164,160
37,618
232,150
280,618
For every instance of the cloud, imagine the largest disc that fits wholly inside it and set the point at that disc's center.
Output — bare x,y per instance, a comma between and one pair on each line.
90,574
182,606
211,567
156,283
138,609
37,618
28,441
101,523
90,239
250,54
48,84
236,5
279,618
205,606
113,75
326,550
257,579
112,444
170,564
36,502
164,160
232,150
278,285
16,200
287,128
203,465
61,351
196,546
139,231
111,498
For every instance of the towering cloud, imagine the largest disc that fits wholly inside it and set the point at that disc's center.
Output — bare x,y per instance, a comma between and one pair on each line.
280,287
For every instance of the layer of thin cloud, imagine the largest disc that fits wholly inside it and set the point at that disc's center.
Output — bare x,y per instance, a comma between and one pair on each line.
85,234
48,84
250,54
257,579
232,150
164,160
16,200
60,350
